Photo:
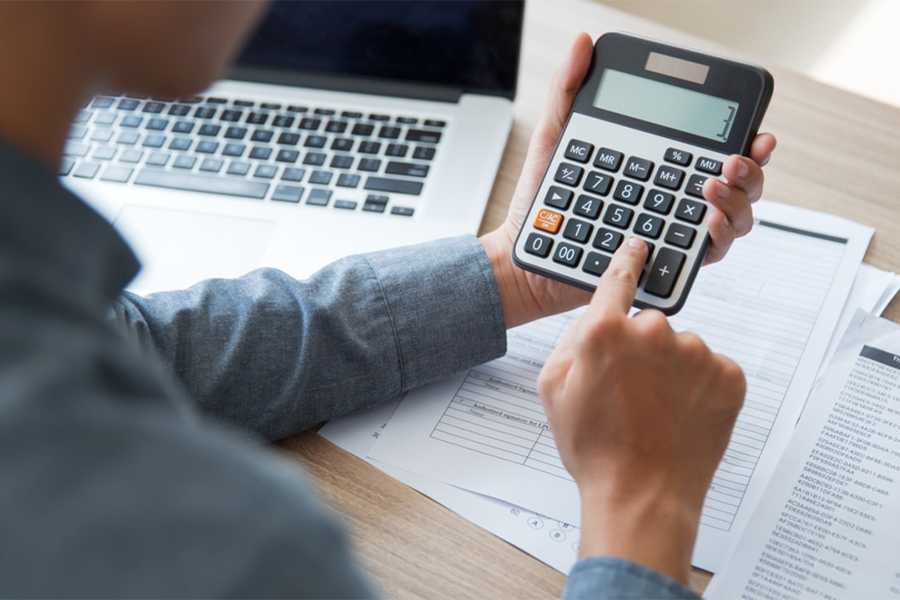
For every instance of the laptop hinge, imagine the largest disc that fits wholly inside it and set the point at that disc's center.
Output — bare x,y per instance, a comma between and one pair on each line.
359,85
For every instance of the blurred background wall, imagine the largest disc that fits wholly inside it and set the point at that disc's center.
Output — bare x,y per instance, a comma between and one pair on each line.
852,44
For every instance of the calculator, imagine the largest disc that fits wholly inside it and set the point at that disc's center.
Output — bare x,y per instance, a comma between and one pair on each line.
650,124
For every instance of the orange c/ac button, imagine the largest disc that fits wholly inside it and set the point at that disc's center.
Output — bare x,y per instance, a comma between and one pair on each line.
547,220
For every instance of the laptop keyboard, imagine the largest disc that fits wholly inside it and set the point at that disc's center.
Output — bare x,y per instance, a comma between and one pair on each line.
318,156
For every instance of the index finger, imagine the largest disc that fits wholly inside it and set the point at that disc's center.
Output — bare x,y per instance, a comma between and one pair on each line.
617,286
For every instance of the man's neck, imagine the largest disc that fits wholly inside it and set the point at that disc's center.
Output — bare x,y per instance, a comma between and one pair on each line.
43,88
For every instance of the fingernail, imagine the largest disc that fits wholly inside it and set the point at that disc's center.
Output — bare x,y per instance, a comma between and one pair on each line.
635,243
722,191
743,169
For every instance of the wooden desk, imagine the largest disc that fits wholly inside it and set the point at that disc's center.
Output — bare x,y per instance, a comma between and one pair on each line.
837,152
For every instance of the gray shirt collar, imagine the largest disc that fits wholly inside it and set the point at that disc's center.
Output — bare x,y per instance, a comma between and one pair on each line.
50,231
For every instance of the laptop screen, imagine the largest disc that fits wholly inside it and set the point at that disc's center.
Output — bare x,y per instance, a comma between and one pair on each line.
466,45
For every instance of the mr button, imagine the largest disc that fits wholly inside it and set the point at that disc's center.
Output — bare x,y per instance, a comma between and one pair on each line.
547,220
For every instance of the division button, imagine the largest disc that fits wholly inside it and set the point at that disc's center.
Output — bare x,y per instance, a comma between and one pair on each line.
664,272
695,185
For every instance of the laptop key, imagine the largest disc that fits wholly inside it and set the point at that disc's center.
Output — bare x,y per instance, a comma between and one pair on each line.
116,173
127,104
183,127
261,135
156,123
158,159
406,169
202,183
238,167
289,139
315,159
154,107
86,170
315,141
293,174
362,129
397,150
236,133
211,165
423,152
233,149
104,152
367,147
370,165
320,177
297,109
341,161
179,110
287,193
324,111
102,102
180,143
209,130
205,112
105,118
336,126
435,123
424,136
351,114
345,204
257,118
265,171
309,124
184,161
65,166
288,156
388,184
389,133
128,138
407,120
260,152
131,121
131,155
75,149
403,211
285,121
318,197
244,103
206,147
154,140
379,117
270,105
342,144
231,116
102,134
348,180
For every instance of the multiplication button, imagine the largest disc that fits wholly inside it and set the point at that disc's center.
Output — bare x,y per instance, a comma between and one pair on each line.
690,211
579,151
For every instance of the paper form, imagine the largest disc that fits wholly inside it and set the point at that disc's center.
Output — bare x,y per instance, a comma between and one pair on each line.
771,306
828,525
550,541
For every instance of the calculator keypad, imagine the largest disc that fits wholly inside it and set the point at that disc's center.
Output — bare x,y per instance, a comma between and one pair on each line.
606,183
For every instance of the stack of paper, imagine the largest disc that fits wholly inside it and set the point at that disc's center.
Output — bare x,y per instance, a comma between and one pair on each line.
480,444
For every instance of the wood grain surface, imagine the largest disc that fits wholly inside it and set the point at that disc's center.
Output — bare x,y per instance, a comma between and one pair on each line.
837,152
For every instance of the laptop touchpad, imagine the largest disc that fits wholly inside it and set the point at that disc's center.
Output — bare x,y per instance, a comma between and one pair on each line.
180,248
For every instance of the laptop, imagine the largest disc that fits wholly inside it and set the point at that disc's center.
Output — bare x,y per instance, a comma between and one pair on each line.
345,127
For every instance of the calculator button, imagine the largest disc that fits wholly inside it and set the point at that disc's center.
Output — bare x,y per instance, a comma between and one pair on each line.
708,165
598,183
628,191
695,185
680,235
580,151
648,225
608,159
679,157
595,263
639,168
669,177
577,230
618,216
538,244
569,174
607,239
664,272
558,197
659,201
690,210
547,220
588,206
567,254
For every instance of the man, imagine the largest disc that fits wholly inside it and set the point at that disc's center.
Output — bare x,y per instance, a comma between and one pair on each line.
128,424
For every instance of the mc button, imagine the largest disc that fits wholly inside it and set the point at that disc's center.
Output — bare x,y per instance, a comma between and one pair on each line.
579,151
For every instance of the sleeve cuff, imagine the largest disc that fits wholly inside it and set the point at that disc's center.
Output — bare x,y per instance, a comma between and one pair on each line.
598,577
444,307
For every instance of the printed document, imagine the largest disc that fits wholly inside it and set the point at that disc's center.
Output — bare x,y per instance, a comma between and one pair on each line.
553,542
771,306
828,524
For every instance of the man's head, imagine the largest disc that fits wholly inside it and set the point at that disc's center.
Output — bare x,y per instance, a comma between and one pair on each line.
165,48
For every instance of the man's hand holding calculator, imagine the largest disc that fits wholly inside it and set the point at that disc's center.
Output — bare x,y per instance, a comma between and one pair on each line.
641,415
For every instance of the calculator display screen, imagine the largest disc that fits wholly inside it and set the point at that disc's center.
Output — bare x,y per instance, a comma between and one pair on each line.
665,104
